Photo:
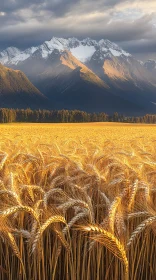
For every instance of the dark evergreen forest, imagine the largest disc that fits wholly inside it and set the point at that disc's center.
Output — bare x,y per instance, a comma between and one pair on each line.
66,116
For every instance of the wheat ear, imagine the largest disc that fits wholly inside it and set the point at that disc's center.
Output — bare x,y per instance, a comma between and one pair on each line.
112,212
11,193
140,228
5,156
51,220
109,241
15,209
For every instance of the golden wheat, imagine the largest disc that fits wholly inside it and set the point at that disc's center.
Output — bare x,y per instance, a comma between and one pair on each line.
109,241
77,203
53,219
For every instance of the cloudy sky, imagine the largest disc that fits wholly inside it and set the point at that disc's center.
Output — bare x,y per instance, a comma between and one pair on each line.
131,23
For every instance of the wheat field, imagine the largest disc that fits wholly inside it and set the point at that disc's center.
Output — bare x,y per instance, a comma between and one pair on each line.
77,201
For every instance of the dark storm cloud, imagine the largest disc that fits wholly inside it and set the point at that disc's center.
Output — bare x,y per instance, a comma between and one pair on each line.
58,7
24,23
142,46
13,5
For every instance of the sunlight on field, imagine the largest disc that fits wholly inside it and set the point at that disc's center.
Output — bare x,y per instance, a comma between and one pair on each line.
78,201
98,133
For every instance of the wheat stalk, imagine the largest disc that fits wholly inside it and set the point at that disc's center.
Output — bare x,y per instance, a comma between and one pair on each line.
140,228
51,220
109,241
5,156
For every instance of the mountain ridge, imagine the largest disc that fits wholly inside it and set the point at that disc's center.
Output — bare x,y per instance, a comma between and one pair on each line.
89,64
81,49
16,91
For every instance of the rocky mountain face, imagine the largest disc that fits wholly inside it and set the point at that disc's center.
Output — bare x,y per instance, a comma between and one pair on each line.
82,50
16,91
128,79
87,74
70,84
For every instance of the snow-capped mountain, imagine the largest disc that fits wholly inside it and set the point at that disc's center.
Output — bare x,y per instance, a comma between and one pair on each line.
69,84
99,72
83,50
8,54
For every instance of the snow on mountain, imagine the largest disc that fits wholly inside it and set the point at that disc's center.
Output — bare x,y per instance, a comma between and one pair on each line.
83,50
112,48
83,53
7,55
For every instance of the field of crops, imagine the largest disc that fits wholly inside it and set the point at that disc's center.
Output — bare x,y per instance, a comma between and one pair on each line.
77,202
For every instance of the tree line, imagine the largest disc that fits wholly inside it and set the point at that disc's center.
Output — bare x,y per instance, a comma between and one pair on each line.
67,116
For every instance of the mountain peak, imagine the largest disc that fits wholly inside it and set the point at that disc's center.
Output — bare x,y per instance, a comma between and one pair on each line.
8,54
83,50
112,48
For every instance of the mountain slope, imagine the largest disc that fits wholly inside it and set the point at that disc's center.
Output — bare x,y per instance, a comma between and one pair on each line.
68,65
65,63
150,65
70,84
128,79
16,91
